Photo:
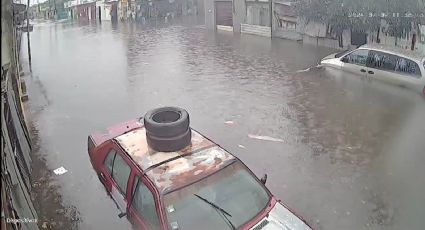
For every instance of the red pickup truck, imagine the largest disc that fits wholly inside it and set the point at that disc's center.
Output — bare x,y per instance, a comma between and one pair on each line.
164,175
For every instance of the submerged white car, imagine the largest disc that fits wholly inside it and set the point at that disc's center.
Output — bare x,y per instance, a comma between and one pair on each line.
395,66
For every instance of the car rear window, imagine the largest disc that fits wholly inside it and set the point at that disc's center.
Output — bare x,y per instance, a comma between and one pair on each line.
407,66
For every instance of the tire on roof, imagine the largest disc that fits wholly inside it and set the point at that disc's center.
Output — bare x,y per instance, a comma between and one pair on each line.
167,128
169,144
166,121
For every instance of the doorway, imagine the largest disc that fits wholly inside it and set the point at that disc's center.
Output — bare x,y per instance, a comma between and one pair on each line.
100,13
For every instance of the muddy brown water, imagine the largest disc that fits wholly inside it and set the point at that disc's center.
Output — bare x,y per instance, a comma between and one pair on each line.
350,155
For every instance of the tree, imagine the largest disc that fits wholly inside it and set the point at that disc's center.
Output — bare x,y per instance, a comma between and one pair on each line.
338,15
401,15
362,15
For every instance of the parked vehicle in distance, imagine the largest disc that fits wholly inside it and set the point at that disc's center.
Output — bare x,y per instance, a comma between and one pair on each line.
395,66
164,175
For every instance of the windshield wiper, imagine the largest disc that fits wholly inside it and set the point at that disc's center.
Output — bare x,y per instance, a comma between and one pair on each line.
222,212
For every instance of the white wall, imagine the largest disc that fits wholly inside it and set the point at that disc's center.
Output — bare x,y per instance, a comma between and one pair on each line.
104,11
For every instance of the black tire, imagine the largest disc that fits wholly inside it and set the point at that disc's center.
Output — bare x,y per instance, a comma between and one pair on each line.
169,144
166,122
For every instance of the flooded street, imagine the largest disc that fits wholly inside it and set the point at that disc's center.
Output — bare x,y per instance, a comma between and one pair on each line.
349,153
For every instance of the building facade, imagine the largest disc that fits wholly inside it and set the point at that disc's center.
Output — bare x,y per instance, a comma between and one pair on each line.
15,141
241,16
278,18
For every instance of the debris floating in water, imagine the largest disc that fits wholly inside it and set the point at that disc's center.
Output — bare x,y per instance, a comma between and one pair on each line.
303,70
265,138
60,171
229,122
241,146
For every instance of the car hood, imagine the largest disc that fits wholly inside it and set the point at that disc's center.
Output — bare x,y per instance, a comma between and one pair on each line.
330,56
281,218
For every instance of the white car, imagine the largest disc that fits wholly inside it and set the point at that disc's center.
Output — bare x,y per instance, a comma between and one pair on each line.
395,66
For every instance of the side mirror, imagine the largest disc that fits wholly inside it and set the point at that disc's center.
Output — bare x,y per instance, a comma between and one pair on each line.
264,179
121,215
344,59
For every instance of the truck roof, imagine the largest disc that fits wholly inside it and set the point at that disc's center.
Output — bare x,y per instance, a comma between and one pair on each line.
172,170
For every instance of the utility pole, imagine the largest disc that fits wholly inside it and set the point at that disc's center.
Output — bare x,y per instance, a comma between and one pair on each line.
271,18
28,35
55,11
50,9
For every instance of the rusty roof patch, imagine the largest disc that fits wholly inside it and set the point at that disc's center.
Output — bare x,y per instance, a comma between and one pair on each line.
136,146
185,170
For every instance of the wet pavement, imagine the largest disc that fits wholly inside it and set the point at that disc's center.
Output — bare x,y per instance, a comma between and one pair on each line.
350,152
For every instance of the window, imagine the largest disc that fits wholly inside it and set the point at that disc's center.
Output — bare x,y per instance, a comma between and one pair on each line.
393,63
382,61
357,57
144,203
121,172
118,169
258,14
109,161
340,54
407,66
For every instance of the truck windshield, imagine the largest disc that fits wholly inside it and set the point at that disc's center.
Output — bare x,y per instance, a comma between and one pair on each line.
232,189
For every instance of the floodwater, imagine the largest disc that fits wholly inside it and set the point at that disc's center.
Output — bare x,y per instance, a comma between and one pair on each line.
349,155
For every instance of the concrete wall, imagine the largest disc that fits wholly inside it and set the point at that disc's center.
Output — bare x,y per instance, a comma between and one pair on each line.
287,34
312,29
239,14
239,18
329,42
225,28
315,33
264,31
200,7
210,14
